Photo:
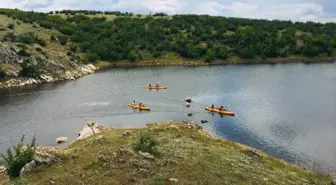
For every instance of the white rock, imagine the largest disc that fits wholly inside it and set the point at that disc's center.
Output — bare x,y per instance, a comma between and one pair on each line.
46,78
2,170
173,127
173,180
146,155
90,129
126,133
61,140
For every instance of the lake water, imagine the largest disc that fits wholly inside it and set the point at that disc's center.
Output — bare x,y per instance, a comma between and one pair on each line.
286,110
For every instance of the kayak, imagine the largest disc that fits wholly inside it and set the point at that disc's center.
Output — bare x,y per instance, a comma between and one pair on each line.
220,111
140,108
154,87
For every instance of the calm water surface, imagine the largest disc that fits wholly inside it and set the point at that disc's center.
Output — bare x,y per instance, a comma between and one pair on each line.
286,110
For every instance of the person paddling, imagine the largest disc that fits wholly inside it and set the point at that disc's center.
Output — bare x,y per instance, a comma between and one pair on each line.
221,108
133,102
141,105
157,84
212,106
150,84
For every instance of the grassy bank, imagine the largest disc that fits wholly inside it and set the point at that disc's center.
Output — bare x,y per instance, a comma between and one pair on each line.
181,155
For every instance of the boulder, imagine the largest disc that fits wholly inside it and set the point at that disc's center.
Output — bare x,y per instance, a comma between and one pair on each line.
3,170
27,169
146,155
173,127
46,78
61,140
126,133
90,129
100,139
173,180
9,54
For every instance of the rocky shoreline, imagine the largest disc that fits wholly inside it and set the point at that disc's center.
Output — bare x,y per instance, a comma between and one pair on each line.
43,78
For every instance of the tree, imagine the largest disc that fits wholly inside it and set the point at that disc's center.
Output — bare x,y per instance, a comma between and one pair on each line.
29,70
222,52
209,56
132,56
2,73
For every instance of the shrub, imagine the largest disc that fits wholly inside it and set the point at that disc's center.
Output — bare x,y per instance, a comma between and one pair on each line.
209,56
63,39
69,53
11,26
146,143
29,70
38,49
20,156
11,37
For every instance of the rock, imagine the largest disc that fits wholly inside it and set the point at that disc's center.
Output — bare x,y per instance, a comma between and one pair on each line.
190,114
173,127
46,78
126,151
27,169
30,81
9,54
61,140
3,170
100,139
146,155
90,129
204,121
139,163
173,180
126,133
103,157
12,73
52,182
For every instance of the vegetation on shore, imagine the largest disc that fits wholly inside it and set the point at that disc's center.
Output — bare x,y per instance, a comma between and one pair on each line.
178,153
94,36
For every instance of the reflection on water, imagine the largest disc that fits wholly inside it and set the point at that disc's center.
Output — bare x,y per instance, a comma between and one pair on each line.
285,110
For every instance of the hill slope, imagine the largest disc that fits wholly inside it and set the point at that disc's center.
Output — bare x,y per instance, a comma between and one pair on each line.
182,155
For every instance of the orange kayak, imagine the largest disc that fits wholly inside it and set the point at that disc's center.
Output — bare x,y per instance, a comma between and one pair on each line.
220,111
154,87
139,108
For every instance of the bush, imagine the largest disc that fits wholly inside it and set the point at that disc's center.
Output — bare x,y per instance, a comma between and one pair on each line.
209,56
22,156
92,57
29,70
11,37
11,26
132,56
38,49
69,53
146,143
63,40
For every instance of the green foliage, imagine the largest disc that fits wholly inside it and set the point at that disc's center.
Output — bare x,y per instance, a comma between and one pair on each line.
146,143
10,37
209,56
132,56
17,158
189,36
29,70
92,57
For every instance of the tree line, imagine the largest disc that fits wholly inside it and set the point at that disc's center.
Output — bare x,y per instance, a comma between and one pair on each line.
190,36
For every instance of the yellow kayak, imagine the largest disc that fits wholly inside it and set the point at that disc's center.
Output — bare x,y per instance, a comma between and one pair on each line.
154,87
140,108
220,111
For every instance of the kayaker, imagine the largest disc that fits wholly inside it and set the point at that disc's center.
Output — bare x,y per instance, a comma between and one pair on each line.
157,84
212,106
133,102
141,105
150,84
221,108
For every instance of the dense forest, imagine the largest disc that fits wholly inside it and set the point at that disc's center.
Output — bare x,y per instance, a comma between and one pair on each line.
130,36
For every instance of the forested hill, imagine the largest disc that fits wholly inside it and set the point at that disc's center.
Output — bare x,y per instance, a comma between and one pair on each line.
114,36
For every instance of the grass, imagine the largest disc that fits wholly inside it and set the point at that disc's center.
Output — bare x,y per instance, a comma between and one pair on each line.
186,154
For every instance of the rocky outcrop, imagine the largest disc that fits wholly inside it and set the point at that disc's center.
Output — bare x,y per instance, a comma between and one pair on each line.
43,156
43,78
3,170
61,140
8,54
90,129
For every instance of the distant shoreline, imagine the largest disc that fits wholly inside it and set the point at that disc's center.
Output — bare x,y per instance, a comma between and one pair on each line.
106,65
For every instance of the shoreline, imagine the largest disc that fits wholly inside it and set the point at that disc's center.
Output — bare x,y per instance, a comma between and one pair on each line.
188,136
104,65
